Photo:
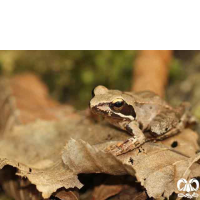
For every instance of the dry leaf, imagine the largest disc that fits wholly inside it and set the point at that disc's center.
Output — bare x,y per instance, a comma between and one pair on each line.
16,187
156,166
106,191
51,145
24,99
119,187
130,194
32,142
180,143
67,194
110,187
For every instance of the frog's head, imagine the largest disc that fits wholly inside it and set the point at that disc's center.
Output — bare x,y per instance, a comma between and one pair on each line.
112,104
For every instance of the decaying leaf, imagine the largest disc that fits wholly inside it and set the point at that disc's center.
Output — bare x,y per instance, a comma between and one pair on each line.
32,142
17,187
105,191
67,194
50,144
156,166
183,143
129,194
118,187
24,99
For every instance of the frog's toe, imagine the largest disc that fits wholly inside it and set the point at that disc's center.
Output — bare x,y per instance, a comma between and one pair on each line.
124,147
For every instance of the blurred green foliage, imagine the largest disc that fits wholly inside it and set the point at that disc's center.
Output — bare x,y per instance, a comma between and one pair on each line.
71,75
3,196
176,70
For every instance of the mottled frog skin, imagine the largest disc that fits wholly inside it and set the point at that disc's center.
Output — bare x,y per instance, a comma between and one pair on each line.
138,113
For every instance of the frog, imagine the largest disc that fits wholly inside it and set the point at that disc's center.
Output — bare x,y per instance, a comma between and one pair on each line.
140,114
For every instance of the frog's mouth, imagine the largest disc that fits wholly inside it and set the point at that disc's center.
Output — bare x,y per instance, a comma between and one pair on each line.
109,114
102,110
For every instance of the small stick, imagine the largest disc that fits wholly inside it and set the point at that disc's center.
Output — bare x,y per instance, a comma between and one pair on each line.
151,70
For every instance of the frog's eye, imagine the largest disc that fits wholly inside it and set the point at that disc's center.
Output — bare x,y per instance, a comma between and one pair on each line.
117,104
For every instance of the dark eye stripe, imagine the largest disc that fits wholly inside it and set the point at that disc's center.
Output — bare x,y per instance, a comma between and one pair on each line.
128,110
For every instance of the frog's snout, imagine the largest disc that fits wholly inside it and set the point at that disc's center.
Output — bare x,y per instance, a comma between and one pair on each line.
91,104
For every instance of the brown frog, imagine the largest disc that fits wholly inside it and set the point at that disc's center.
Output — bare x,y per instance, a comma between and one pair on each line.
139,113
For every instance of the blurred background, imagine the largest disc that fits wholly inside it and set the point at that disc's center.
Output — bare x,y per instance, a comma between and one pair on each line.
71,75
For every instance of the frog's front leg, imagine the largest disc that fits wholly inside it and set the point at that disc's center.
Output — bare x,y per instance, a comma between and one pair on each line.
132,143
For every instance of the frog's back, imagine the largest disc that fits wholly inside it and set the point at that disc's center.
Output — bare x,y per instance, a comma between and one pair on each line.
148,97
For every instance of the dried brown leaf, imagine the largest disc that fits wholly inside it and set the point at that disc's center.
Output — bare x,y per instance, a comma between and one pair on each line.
180,143
35,150
24,99
16,187
130,194
110,187
156,166
47,180
67,194
81,157
51,146
118,187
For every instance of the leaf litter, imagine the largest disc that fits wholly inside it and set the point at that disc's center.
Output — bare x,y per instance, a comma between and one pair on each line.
51,144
